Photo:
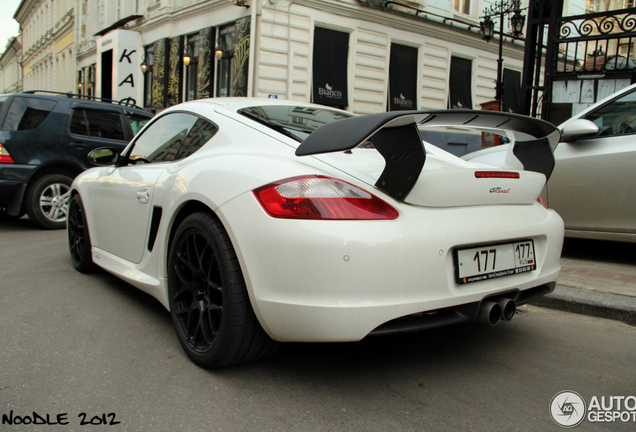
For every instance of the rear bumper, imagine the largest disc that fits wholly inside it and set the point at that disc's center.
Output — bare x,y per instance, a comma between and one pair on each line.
328,281
12,179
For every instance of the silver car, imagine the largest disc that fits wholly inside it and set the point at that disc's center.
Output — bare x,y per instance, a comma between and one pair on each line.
593,185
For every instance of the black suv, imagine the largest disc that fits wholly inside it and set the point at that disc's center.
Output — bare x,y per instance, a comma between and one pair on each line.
45,138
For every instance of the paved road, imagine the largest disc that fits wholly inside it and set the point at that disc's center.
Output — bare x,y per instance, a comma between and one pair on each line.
73,344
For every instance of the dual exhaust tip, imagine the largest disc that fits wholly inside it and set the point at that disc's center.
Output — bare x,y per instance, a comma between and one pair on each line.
495,310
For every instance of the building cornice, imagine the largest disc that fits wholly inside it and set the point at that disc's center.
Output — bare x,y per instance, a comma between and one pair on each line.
189,11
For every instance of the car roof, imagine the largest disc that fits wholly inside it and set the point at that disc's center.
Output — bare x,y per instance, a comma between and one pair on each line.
89,100
237,103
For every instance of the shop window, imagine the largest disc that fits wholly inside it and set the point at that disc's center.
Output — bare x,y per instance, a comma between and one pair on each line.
174,91
330,61
402,78
149,60
234,40
513,98
460,84
192,47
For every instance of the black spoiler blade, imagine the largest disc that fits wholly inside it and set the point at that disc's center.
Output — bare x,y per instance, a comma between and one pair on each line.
396,136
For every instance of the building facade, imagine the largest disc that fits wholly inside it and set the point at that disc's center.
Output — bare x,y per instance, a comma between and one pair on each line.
365,56
346,53
10,68
47,39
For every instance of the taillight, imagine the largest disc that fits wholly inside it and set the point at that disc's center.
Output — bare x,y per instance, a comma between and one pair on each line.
496,174
5,157
319,197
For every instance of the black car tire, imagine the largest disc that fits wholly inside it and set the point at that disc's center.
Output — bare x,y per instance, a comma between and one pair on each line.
46,201
79,241
209,303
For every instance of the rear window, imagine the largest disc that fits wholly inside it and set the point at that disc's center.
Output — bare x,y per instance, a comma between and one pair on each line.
26,113
296,122
97,124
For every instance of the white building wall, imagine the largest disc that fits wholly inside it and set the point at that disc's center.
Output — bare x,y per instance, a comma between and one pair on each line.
285,37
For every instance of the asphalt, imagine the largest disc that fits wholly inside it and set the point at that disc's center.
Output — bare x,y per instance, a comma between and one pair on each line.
596,284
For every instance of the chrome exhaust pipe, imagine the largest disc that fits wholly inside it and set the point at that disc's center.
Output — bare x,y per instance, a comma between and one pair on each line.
508,308
491,312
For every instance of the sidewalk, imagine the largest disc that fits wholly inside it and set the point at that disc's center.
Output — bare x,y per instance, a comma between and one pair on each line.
596,288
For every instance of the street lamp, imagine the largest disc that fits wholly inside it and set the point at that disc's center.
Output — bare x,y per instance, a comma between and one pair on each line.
186,56
502,8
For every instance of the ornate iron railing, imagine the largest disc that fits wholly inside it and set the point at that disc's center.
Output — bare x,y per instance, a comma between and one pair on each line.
597,42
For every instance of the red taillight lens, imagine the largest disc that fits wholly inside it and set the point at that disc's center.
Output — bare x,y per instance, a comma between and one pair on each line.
496,174
5,157
319,197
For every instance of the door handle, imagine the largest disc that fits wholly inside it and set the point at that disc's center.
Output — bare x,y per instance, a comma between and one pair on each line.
78,145
143,195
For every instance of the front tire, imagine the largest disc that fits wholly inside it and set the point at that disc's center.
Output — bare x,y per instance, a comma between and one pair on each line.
79,242
209,304
47,201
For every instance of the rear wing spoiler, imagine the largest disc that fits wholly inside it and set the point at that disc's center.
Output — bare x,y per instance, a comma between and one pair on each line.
396,136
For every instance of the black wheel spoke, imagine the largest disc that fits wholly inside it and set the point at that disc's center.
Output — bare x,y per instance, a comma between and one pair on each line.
197,293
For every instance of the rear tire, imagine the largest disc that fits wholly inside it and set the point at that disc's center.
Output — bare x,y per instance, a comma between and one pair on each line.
79,241
209,304
46,201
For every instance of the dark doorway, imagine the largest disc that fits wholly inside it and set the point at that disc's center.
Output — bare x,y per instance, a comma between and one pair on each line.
107,74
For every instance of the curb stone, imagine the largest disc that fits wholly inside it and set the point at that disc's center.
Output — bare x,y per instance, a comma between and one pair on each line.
596,304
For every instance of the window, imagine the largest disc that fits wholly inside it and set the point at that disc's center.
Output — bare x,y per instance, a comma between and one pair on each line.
97,124
149,59
171,137
296,122
460,84
27,113
200,133
330,63
617,117
513,97
192,45
402,78
462,6
594,5
137,122
232,72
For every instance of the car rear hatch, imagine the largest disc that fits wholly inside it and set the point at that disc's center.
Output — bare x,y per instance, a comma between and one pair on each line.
446,181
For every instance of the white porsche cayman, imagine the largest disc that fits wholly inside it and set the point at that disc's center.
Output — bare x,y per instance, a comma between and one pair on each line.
260,221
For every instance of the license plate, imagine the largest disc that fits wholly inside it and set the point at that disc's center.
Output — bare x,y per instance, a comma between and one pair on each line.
494,261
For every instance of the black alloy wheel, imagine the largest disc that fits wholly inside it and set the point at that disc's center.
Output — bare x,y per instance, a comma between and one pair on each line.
209,304
79,242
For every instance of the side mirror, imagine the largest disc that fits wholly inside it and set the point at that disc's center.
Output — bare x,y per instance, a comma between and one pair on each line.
578,129
103,156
